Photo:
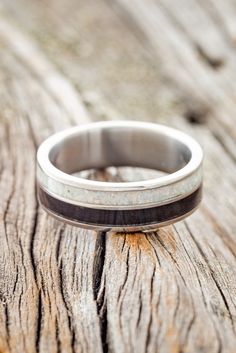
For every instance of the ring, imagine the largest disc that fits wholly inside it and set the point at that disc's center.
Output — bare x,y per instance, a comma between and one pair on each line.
123,206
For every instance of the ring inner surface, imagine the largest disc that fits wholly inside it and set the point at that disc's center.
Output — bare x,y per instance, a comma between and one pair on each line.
100,147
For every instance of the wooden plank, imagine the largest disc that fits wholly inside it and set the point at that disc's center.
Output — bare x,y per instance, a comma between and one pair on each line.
207,92
47,271
204,94
173,290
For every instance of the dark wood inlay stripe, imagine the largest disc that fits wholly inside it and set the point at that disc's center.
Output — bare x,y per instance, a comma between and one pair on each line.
145,216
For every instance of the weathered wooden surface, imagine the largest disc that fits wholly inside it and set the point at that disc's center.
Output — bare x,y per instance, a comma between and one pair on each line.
63,289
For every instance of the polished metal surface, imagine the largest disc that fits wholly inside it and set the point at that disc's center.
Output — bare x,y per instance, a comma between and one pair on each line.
119,143
116,145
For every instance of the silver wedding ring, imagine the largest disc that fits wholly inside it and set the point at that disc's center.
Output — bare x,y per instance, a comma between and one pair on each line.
122,206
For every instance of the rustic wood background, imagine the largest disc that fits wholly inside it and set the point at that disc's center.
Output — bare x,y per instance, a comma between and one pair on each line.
66,62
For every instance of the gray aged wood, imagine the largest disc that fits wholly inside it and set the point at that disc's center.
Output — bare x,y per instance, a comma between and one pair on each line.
63,289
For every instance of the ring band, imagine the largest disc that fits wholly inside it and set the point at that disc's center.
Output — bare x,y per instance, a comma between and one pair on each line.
122,206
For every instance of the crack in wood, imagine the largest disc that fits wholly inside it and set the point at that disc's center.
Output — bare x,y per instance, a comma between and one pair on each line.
70,317
215,63
98,271
31,246
39,322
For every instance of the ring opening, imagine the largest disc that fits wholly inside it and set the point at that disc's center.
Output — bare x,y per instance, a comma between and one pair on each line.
119,146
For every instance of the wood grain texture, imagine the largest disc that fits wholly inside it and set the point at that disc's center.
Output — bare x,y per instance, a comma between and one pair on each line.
63,289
